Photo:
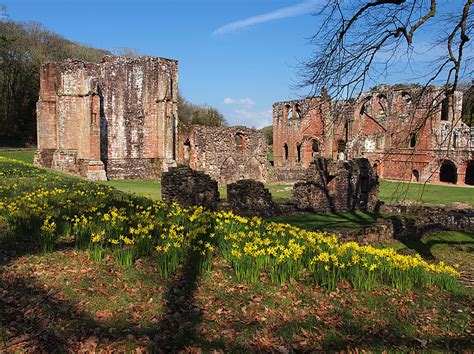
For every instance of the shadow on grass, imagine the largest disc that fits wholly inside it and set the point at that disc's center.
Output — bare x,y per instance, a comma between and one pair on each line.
329,222
35,317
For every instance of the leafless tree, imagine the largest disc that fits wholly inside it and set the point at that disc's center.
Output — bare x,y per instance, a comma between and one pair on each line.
359,41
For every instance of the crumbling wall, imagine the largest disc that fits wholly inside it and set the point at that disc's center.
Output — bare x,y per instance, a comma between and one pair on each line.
405,132
336,186
68,124
249,197
186,187
139,115
227,154
118,117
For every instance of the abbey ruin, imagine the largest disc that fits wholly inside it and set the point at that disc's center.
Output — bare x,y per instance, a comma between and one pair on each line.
406,134
119,119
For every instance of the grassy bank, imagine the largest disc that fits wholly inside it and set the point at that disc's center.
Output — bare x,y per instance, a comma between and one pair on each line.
125,273
390,191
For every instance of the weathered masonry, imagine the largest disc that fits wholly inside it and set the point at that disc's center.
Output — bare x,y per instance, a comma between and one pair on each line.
116,119
405,132
227,154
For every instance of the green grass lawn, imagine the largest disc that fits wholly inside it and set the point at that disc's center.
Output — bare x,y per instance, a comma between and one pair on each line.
393,192
62,300
149,188
22,155
390,191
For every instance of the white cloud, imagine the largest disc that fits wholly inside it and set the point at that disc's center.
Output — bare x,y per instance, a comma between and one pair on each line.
284,12
229,100
242,101
250,118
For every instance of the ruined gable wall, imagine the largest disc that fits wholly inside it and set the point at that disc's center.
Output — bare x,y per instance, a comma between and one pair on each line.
227,154
403,112
380,125
298,127
122,111
68,119
139,115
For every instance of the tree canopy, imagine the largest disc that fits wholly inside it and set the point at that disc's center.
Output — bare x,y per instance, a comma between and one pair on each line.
190,113
25,46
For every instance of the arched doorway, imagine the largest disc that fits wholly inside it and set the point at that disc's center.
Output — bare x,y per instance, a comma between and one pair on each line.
415,176
298,153
187,152
448,172
314,149
469,179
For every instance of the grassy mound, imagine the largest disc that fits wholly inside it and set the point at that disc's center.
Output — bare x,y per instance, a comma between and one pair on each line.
52,207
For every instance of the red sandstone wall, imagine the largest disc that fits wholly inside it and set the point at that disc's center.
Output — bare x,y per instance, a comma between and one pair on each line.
123,111
380,128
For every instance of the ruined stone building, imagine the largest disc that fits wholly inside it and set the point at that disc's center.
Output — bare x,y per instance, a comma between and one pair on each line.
406,133
115,119
119,119
227,154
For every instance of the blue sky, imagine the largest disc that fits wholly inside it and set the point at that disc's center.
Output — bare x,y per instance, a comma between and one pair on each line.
240,56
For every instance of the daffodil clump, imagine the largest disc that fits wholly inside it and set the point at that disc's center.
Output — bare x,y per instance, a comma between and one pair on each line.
49,206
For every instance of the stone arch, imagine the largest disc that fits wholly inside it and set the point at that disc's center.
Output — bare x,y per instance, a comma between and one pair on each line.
187,151
448,172
289,112
444,109
253,170
382,104
469,178
240,140
228,171
297,111
364,107
341,146
406,102
315,148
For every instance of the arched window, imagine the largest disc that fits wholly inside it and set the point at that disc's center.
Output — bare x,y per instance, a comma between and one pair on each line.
341,146
469,179
444,109
315,149
382,105
239,142
412,140
187,151
365,106
448,172
298,153
285,148
415,175
289,112
406,102
297,111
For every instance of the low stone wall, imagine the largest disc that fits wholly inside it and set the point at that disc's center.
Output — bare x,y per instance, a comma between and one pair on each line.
288,174
336,186
187,188
381,232
423,219
410,222
134,168
249,197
